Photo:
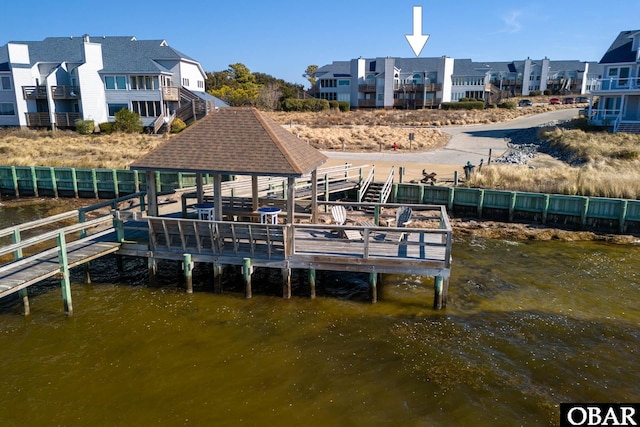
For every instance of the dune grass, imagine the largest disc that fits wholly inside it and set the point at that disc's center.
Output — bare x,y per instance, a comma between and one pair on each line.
21,147
599,164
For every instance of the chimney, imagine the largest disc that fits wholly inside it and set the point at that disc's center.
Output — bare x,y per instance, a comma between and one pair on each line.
86,38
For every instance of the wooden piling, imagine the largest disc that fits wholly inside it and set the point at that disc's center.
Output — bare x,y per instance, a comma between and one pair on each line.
439,295
286,283
312,283
373,282
64,273
187,267
152,266
246,274
24,296
87,273
217,278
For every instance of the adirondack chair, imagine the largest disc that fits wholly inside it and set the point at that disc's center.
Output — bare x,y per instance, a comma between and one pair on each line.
339,214
403,217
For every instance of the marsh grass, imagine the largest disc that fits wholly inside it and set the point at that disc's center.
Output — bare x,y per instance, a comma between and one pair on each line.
22,147
606,165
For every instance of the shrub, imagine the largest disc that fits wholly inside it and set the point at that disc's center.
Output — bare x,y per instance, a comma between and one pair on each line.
468,105
106,127
344,106
508,105
547,92
491,106
127,122
177,126
334,105
535,93
293,104
85,127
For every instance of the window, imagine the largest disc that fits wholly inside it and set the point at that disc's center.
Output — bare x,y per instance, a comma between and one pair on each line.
201,84
185,82
5,83
144,82
624,75
7,109
115,82
328,83
344,82
147,108
372,66
344,97
114,108
613,72
329,96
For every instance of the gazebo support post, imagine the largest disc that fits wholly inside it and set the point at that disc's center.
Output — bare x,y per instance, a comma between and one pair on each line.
152,195
217,196
291,199
314,196
254,193
199,188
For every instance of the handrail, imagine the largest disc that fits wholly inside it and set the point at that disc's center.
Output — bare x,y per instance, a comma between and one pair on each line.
616,124
365,184
38,223
386,188
82,226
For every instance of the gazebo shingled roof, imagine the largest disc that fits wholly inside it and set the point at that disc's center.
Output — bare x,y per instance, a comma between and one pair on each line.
234,141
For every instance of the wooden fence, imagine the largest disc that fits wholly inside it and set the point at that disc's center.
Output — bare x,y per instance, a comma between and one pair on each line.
91,183
620,215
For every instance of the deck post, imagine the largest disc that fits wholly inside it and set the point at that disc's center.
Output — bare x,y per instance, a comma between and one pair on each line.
373,281
199,188
376,215
217,278
246,274
17,254
152,266
291,199
312,282
286,283
187,267
439,294
64,272
152,198
314,196
217,196
254,193
455,178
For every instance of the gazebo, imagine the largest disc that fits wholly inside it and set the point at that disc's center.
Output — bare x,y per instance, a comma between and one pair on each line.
234,141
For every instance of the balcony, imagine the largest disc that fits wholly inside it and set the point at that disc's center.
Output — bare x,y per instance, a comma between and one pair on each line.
419,88
38,120
617,85
65,92
367,88
171,93
67,120
366,103
34,92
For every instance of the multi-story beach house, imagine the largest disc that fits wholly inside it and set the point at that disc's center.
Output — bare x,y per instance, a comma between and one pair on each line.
56,81
618,92
414,83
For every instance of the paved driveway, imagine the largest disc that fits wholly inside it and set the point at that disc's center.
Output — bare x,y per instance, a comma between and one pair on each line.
468,143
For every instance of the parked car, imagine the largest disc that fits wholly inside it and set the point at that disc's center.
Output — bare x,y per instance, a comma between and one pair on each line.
525,103
568,100
582,100
555,101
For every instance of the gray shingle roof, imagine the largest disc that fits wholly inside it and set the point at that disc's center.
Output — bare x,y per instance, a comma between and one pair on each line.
621,49
121,54
235,141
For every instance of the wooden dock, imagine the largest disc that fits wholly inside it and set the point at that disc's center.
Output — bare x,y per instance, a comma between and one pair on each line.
423,248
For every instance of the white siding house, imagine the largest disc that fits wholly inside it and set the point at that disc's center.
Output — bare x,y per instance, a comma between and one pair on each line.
56,81
618,91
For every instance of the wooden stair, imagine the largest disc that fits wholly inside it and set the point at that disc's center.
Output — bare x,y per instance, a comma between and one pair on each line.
628,127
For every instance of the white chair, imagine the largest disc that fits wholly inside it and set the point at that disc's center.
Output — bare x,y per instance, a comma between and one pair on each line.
339,214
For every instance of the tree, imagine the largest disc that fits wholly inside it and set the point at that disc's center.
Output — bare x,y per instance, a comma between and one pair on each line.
127,121
310,74
240,88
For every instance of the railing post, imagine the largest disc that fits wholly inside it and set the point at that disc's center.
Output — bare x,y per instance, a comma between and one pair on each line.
376,215
115,183
74,177
34,180
94,178
64,273
623,215
82,218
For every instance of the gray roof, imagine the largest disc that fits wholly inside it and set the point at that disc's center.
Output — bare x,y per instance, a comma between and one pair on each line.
334,69
620,50
121,54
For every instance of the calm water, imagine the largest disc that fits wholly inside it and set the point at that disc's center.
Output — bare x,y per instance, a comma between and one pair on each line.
528,326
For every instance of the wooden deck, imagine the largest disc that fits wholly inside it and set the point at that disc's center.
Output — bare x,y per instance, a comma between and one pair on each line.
33,269
424,248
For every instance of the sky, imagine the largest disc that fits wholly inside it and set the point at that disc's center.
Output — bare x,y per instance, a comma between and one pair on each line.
283,37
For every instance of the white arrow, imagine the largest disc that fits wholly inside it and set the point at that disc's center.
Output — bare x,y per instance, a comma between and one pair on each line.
417,40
